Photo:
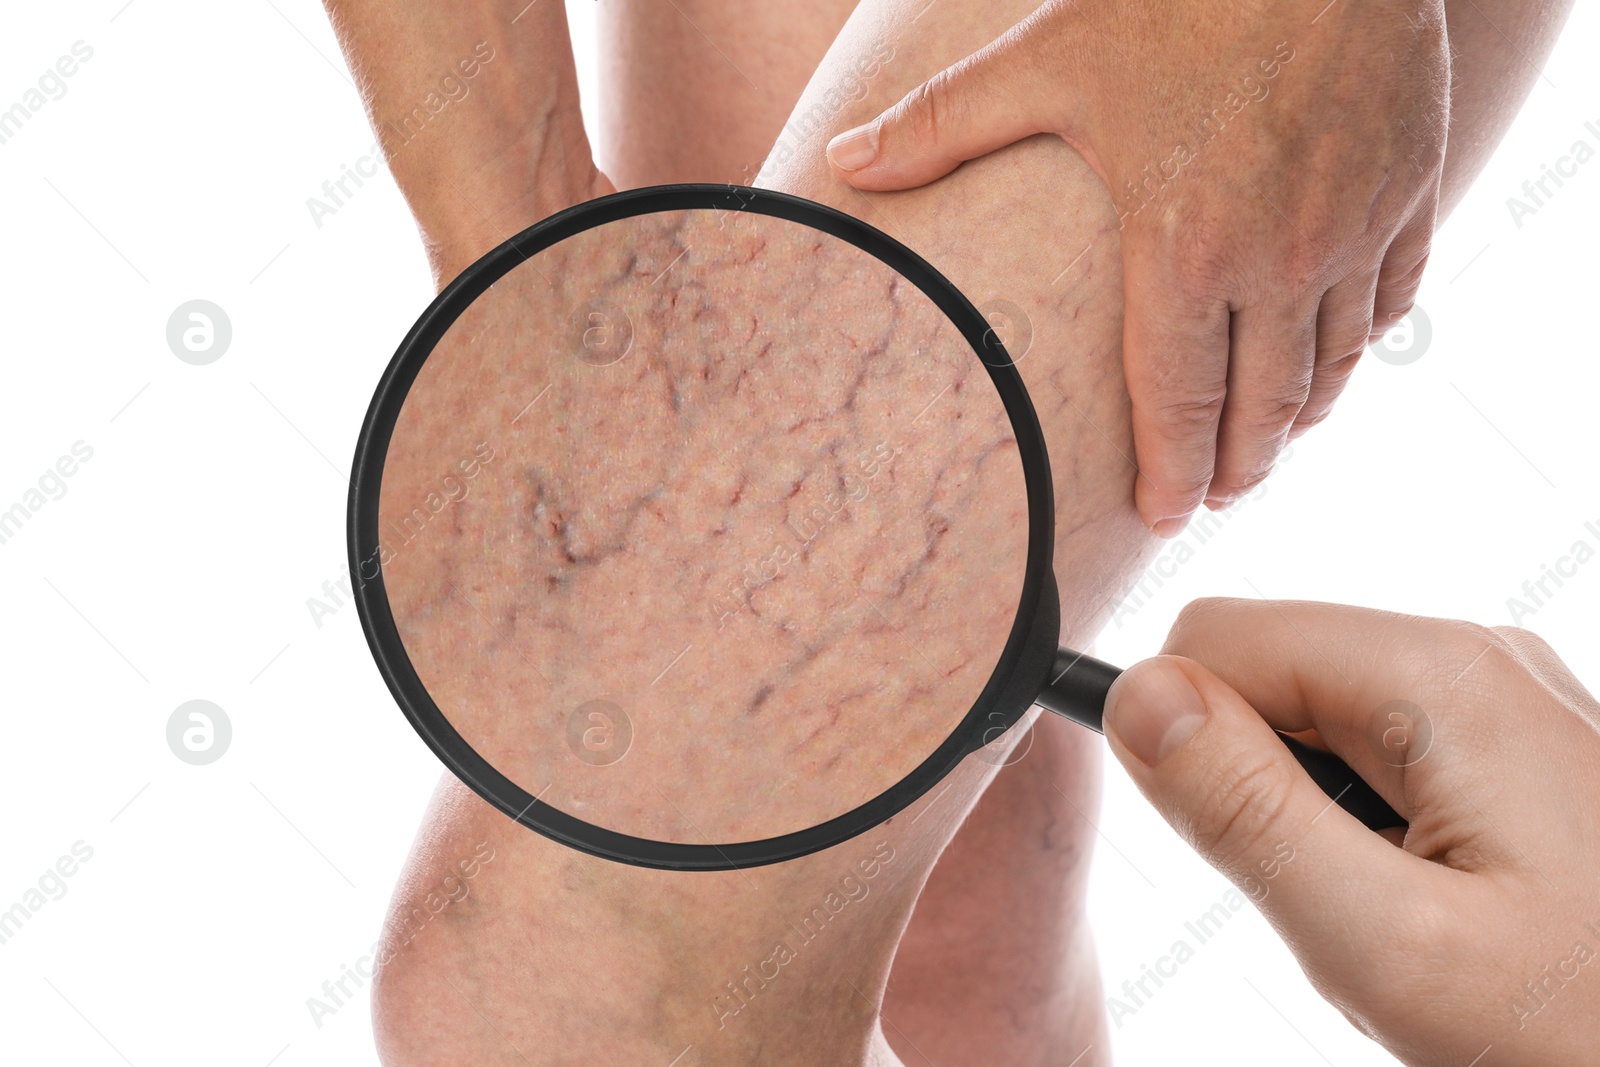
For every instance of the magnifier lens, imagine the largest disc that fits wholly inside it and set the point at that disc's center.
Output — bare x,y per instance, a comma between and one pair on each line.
703,526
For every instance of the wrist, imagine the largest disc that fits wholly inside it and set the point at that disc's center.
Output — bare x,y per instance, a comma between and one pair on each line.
462,213
495,172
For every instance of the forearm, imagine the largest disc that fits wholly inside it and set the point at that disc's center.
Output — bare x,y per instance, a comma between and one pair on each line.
475,105
1498,48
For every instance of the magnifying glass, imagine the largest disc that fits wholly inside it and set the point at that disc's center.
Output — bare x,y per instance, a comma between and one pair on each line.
702,527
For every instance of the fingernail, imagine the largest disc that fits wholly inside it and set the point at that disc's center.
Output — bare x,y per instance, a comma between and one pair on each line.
855,148
1152,709
1221,503
1170,527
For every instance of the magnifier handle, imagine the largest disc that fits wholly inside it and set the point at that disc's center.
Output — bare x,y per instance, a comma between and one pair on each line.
1078,690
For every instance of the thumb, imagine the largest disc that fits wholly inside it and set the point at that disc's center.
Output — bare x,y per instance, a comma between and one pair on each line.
965,111
1222,777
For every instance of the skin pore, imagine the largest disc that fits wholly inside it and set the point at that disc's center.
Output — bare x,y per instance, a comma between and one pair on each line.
754,498
558,958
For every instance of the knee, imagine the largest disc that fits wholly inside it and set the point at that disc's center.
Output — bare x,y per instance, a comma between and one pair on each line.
428,965
405,1008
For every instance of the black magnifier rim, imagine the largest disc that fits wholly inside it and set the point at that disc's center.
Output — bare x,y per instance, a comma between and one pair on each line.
1019,673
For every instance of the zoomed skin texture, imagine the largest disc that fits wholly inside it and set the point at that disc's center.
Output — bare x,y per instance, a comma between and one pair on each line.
745,538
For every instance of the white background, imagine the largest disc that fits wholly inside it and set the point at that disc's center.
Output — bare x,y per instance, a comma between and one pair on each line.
178,563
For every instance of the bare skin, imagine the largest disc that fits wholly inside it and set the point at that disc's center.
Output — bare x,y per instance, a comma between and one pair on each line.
516,967
1461,945
545,961
967,978
1254,282
769,520
698,90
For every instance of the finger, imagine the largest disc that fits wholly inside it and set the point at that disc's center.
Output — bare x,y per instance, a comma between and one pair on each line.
1306,666
1225,781
983,103
1175,359
1344,328
1415,706
1269,377
1401,274
1540,660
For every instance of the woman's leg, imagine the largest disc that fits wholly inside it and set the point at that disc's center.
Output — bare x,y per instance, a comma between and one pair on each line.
701,90
698,90
555,957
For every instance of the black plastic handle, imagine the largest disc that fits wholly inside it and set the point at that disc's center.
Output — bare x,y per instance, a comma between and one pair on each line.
1078,690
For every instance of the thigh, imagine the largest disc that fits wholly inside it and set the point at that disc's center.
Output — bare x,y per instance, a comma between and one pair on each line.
698,90
693,111
1029,236
721,93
